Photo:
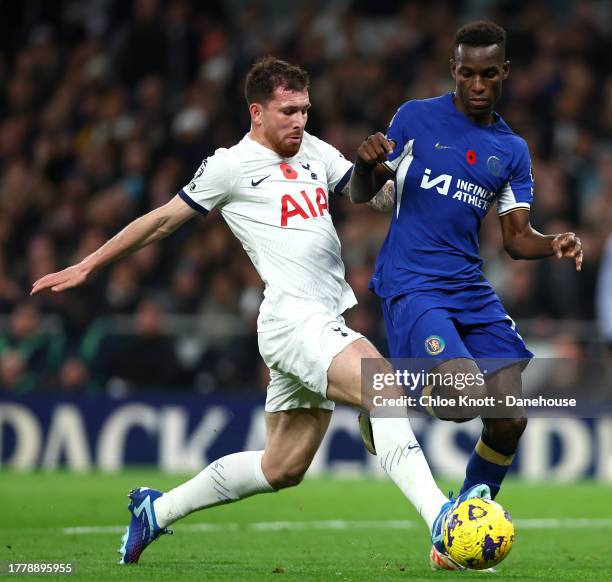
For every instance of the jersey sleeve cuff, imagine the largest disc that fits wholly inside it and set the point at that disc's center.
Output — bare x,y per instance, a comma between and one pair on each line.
389,166
343,181
191,202
512,207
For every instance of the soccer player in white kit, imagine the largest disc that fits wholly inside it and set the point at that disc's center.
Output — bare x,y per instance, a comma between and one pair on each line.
272,189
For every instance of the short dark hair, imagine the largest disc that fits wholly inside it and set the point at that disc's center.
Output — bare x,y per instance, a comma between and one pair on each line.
481,33
270,73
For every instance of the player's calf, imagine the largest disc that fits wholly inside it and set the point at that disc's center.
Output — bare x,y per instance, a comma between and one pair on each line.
293,438
494,452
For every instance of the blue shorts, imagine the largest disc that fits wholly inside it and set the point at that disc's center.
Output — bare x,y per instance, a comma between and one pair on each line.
435,326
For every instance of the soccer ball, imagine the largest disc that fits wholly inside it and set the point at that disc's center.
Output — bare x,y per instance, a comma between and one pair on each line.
478,534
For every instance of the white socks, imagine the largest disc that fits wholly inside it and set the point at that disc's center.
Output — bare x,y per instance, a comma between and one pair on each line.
240,475
228,479
400,455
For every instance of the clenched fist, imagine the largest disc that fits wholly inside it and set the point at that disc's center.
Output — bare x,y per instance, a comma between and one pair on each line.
568,245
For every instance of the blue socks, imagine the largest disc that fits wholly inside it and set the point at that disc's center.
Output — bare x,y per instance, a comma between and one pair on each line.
488,466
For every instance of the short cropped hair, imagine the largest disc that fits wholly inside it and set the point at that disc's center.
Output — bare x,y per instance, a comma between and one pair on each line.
270,73
481,33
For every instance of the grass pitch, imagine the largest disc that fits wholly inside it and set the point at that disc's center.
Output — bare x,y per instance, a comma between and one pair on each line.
325,529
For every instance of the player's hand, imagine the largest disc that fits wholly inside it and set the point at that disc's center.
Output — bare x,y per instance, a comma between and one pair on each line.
70,277
375,149
568,245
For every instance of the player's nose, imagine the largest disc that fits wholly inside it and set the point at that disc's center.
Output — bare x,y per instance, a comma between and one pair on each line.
478,86
300,120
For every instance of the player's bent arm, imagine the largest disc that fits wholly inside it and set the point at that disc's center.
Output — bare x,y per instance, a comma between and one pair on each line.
363,187
149,228
369,175
522,241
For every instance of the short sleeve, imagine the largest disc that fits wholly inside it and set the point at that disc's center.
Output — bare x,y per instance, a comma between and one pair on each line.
212,183
399,132
337,168
517,192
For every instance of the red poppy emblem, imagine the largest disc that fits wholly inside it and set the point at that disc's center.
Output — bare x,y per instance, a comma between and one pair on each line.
470,157
288,171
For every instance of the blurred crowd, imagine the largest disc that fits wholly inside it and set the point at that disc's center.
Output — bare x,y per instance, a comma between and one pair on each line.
107,108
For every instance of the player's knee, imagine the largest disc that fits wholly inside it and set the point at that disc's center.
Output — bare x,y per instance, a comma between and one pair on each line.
472,398
517,427
506,431
459,402
378,384
287,474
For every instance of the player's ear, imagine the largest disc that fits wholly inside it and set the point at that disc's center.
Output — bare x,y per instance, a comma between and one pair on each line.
256,111
505,70
453,68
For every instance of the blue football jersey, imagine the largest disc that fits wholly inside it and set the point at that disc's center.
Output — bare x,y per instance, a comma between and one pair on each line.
449,171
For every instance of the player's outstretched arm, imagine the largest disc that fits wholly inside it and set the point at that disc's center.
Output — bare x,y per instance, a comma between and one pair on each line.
151,227
368,175
522,241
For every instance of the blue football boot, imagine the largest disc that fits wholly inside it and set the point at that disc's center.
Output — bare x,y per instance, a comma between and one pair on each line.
143,528
437,530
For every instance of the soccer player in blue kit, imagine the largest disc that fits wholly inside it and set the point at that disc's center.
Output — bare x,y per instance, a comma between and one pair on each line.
452,157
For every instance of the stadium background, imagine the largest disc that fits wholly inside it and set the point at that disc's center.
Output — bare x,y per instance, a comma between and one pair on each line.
107,108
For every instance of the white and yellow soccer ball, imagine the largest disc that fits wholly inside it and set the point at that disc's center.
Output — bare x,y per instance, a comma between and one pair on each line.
479,533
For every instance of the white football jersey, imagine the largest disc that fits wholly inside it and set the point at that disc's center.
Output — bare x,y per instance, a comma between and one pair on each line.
279,210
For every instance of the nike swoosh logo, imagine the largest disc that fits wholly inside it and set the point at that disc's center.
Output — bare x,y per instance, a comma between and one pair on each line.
255,184
439,146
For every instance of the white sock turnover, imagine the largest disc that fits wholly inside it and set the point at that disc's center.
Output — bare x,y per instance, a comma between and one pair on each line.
225,480
400,455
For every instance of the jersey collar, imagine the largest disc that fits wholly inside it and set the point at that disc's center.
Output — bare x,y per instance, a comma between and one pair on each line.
496,116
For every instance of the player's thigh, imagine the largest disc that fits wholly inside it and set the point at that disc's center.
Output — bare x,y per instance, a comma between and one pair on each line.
349,377
455,390
506,381
301,356
292,440
500,350
453,385
459,377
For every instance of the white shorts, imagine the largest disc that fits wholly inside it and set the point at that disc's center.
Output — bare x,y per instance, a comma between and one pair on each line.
299,355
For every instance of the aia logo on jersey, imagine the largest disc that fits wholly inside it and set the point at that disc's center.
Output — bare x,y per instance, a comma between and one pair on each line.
288,171
290,207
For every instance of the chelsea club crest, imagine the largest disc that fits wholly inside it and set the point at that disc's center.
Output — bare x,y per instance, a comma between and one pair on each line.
494,165
434,345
